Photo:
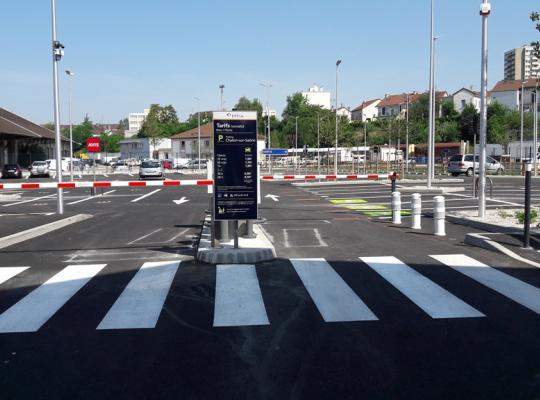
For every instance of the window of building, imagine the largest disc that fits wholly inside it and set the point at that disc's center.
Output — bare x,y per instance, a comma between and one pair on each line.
183,143
383,112
463,103
207,142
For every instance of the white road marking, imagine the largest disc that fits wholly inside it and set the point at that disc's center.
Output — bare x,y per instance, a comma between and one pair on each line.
519,291
141,302
145,195
29,200
334,299
494,200
30,313
426,294
7,273
90,198
144,236
239,299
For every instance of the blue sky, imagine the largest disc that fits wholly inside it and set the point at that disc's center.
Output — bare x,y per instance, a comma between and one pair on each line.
128,54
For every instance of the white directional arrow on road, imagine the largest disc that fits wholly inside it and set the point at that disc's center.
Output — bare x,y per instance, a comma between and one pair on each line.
181,201
273,197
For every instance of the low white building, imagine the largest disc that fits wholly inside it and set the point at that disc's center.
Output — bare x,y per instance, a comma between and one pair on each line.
464,97
508,93
317,96
367,111
344,112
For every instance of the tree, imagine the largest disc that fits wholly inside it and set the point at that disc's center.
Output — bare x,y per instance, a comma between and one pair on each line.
535,17
110,142
123,124
161,122
244,104
469,122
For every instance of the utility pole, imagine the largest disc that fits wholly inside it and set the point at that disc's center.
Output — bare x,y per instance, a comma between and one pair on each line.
337,121
221,87
431,96
535,130
199,133
521,116
268,86
70,74
407,135
365,145
485,10
295,144
58,52
318,144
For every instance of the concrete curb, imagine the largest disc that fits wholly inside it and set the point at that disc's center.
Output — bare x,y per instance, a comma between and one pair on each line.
479,240
328,183
41,230
250,250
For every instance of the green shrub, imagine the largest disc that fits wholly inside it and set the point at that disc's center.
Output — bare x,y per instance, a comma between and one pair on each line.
533,216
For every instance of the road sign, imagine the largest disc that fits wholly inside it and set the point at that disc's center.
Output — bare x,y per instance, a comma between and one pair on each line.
93,145
275,152
235,165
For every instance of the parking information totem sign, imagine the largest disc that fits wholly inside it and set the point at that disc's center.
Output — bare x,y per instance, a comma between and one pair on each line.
235,165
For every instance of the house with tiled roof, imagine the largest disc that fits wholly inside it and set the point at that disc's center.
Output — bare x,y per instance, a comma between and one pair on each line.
464,97
508,93
366,111
396,105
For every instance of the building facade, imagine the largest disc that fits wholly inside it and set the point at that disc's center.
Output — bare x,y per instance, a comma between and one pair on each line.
521,63
367,111
141,149
135,122
508,93
317,96
464,97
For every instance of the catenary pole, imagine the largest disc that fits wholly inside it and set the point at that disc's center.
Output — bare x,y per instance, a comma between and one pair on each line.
485,10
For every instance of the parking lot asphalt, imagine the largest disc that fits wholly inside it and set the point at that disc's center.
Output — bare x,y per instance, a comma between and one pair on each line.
353,307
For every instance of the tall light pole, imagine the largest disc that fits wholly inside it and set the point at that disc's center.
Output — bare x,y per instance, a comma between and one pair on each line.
522,100
535,130
268,86
70,74
337,120
407,134
221,87
199,133
365,144
485,10
58,52
295,144
431,95
318,144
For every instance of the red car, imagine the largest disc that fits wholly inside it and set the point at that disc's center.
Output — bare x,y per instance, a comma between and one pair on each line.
166,164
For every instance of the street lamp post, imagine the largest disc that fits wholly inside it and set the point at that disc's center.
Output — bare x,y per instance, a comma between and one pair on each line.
58,52
221,87
522,100
70,74
268,86
485,10
407,134
199,133
318,144
365,144
295,144
535,131
431,96
338,62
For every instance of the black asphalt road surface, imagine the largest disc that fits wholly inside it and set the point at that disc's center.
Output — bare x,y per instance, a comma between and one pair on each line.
404,354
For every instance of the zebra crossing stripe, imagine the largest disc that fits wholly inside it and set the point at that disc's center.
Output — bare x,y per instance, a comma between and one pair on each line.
141,302
334,299
239,299
31,312
519,291
6,273
426,294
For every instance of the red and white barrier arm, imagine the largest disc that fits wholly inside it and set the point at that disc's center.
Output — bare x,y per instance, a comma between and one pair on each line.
311,177
200,182
104,184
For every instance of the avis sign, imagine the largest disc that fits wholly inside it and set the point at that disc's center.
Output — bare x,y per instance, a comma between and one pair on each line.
235,165
93,145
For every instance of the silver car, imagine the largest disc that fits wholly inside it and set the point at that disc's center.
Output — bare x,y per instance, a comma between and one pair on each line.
150,169
468,163
39,168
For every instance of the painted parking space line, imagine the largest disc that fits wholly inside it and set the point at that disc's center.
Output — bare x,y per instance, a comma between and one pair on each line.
144,196
521,292
30,313
239,300
6,273
29,200
426,294
90,198
141,302
144,236
334,299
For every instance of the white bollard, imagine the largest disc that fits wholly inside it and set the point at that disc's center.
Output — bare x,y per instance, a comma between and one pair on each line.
396,208
439,216
416,209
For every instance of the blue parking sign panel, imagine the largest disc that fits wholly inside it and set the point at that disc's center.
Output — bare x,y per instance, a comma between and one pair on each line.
235,165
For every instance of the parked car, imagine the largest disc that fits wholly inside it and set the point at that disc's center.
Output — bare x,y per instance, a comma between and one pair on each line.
39,168
150,169
195,164
167,164
11,171
467,163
